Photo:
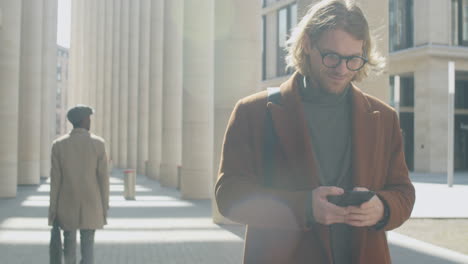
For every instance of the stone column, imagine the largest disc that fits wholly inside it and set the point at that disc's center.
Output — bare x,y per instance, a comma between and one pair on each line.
271,58
108,32
115,109
171,143
123,83
49,82
73,57
155,89
81,82
30,93
198,98
85,85
92,64
238,49
76,57
100,53
171,152
10,26
132,140
143,93
431,98
62,112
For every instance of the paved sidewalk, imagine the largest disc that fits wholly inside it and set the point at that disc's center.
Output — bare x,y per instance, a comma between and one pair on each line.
158,227
434,199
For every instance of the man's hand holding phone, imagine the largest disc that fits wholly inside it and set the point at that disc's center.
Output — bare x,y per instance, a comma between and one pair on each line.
351,198
325,212
358,208
367,214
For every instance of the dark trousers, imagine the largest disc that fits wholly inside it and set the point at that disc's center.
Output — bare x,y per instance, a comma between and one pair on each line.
55,246
87,246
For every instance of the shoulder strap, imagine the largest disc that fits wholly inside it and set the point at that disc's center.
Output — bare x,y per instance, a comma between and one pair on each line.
270,137
274,95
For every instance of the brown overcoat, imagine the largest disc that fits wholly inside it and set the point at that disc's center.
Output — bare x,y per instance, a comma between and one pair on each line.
79,181
276,217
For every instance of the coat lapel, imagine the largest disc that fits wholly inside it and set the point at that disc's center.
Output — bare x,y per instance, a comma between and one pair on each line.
293,135
291,129
366,139
366,126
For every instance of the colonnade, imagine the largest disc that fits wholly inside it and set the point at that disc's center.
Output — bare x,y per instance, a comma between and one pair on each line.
28,52
154,72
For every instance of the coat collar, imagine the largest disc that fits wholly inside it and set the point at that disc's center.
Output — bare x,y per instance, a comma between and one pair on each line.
79,131
292,131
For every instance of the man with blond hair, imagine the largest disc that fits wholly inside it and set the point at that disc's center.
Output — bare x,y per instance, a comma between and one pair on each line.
316,170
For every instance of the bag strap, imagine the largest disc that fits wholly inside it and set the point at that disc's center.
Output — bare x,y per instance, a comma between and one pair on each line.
270,137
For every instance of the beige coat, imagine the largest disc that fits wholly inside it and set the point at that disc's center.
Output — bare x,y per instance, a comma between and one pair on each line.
79,188
276,217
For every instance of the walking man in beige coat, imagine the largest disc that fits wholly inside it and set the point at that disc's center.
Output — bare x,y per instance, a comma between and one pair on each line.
79,191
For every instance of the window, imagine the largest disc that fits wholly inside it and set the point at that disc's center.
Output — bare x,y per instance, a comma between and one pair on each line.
401,24
287,19
406,115
59,72
407,131
406,91
293,15
58,97
460,22
461,94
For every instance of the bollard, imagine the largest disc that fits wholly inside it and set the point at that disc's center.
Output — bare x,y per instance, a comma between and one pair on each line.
129,184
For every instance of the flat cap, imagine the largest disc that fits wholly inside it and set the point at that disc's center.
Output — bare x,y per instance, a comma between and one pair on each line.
78,113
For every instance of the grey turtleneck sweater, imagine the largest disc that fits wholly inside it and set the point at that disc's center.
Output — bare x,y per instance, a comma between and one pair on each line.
329,120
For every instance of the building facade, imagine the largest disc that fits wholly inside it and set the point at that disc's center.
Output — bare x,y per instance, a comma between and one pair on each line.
61,98
421,48
418,48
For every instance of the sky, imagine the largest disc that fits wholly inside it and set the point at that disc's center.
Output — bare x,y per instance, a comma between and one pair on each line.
63,23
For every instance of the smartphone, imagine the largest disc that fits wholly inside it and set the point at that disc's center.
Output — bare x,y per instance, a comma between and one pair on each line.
351,198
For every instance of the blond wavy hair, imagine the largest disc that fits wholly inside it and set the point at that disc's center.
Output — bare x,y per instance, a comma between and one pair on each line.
329,15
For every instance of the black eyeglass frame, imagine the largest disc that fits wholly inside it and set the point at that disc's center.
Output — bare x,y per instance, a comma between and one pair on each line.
341,58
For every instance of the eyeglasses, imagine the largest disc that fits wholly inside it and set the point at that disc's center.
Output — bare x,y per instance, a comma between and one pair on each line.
333,60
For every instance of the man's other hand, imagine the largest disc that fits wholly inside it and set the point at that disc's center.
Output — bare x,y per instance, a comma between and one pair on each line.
368,214
325,212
